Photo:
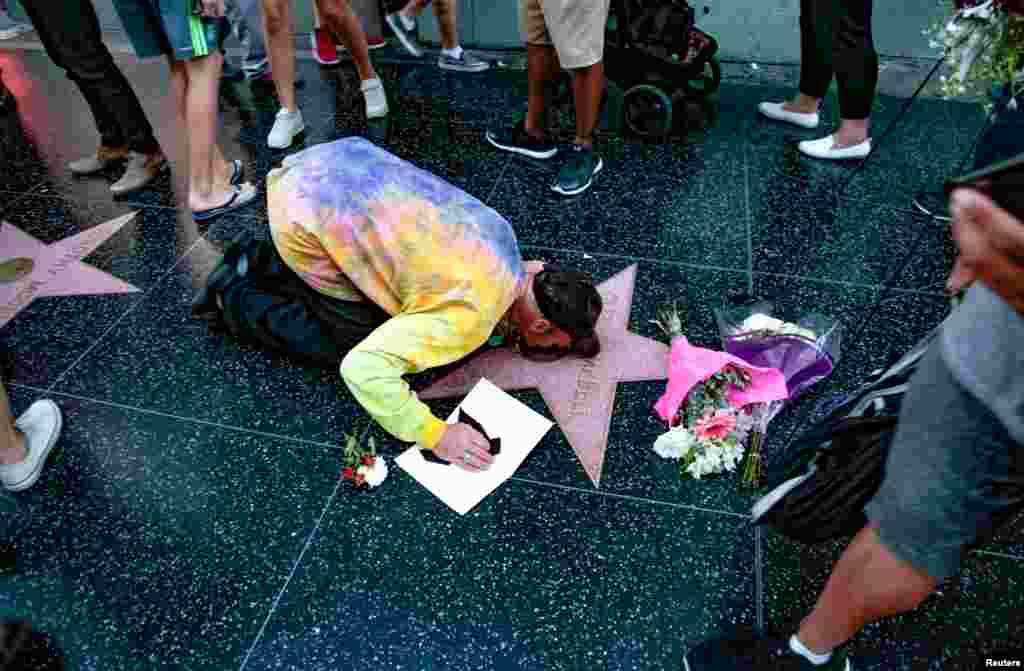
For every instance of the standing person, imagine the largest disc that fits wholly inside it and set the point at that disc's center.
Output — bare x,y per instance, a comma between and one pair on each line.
325,45
74,42
561,34
247,26
955,471
403,25
835,39
9,26
191,41
26,442
342,22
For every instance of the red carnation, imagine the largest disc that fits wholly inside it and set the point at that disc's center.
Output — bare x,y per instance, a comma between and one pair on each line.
348,473
367,460
360,478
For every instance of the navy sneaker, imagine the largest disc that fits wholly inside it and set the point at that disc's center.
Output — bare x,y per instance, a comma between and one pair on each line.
577,174
751,653
518,141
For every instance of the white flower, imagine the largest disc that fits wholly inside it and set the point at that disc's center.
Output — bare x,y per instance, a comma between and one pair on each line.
376,474
754,66
1012,105
760,322
674,444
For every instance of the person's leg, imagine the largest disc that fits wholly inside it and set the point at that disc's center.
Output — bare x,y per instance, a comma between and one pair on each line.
277,21
338,17
856,65
587,89
542,71
446,12
250,33
817,38
73,40
208,187
12,441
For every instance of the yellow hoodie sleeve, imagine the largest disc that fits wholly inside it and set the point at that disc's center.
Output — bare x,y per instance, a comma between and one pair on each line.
408,343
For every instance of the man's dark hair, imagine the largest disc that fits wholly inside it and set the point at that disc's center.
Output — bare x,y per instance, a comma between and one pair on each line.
570,301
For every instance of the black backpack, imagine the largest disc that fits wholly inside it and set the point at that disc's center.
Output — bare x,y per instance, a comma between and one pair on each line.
838,464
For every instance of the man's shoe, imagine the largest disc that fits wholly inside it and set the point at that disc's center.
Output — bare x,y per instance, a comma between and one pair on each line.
287,125
325,51
140,171
518,141
406,37
376,98
465,63
577,174
776,112
41,424
825,148
101,160
754,654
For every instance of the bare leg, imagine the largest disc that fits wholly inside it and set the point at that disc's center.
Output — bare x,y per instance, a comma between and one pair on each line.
867,584
447,20
802,104
542,70
207,168
851,132
277,23
587,89
338,17
12,441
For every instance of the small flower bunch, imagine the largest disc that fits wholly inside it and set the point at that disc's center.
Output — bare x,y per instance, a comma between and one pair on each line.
362,465
983,43
708,428
708,435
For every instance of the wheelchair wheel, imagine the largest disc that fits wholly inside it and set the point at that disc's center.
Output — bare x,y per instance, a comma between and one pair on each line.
647,111
706,80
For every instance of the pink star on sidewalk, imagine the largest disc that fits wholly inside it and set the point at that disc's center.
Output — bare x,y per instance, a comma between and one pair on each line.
58,269
579,392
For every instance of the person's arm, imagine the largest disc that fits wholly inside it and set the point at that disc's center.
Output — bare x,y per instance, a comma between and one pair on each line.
406,344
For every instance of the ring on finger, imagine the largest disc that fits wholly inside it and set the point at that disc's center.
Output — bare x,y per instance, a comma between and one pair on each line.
465,457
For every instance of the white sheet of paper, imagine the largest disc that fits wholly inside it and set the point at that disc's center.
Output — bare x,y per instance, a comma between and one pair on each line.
518,426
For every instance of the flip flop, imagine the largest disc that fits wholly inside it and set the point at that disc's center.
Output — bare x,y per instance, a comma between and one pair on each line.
240,197
236,174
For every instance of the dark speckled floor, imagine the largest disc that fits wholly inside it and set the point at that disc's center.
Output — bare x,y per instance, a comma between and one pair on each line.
192,517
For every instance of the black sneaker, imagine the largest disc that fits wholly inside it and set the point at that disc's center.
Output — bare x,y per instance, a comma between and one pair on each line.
517,140
577,174
748,653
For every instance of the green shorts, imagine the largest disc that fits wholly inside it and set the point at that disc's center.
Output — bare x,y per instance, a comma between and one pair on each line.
170,28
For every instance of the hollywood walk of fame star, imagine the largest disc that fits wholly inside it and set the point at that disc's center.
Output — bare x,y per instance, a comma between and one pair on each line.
579,392
57,269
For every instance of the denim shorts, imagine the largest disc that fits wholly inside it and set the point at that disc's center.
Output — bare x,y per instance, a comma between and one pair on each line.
170,28
953,474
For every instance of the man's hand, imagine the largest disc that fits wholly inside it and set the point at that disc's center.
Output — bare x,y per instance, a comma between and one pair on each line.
213,9
463,446
991,243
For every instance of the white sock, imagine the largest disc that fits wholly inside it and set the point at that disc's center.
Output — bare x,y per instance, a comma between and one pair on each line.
799,648
407,22
455,53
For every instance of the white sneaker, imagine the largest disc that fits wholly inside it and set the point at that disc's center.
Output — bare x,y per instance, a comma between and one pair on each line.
286,126
776,112
376,98
825,148
41,424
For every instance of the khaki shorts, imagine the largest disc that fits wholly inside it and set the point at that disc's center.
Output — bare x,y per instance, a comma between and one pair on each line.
574,27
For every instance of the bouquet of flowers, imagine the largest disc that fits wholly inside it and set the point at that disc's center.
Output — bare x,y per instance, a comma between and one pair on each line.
362,465
804,352
983,43
710,404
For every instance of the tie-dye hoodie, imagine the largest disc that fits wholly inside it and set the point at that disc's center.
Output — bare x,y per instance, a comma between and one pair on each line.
356,222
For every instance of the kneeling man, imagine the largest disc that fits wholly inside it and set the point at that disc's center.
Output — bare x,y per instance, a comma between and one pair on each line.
399,272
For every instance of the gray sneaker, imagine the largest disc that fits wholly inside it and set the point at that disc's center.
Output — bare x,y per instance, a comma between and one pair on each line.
406,37
101,160
140,170
9,28
467,63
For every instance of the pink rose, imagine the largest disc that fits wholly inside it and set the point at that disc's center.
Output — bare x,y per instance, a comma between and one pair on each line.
718,425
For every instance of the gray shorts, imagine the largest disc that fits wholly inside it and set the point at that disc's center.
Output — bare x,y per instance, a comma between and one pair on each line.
953,474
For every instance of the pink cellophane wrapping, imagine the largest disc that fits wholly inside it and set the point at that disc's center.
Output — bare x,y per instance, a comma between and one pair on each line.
689,365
